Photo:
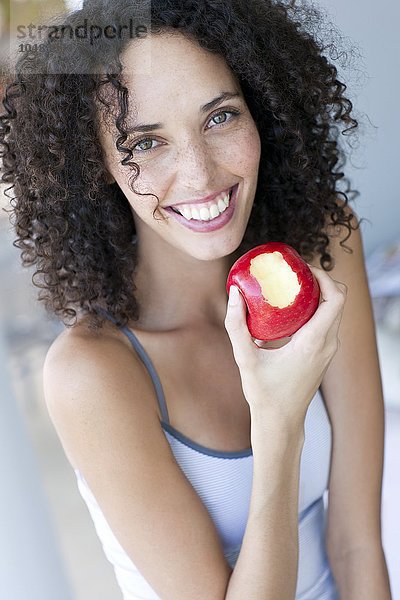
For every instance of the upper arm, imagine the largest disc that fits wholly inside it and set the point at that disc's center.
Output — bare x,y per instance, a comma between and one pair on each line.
99,403
352,390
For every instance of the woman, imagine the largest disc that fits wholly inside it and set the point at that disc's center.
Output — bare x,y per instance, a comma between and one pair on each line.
203,457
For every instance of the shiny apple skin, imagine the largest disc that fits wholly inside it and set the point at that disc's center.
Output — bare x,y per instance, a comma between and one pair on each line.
266,322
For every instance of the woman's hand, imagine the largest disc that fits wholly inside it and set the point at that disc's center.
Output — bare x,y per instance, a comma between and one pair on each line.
284,378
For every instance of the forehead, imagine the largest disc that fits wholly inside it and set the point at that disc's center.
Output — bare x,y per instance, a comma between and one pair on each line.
176,66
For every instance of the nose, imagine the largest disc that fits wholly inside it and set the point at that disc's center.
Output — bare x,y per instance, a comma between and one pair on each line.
196,167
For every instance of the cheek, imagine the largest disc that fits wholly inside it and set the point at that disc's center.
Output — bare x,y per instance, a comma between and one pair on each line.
244,150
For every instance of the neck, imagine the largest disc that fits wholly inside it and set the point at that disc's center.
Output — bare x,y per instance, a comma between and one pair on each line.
178,292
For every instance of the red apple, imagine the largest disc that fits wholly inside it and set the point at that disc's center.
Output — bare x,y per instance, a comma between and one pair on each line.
279,288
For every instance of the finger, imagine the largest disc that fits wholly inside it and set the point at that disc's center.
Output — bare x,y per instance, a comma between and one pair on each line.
327,285
330,309
273,344
236,326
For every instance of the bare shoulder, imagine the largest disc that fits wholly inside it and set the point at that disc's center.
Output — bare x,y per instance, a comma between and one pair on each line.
87,373
79,354
83,338
103,410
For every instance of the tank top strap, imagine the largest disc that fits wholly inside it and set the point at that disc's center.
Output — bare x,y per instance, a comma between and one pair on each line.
145,358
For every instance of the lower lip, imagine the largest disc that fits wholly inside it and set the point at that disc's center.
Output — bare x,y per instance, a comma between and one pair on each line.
214,224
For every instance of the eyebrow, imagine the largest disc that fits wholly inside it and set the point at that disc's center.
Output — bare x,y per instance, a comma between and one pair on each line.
203,109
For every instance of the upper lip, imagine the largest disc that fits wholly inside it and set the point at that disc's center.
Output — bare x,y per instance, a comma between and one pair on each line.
201,200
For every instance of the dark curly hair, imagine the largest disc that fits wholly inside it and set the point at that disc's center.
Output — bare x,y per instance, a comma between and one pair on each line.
78,230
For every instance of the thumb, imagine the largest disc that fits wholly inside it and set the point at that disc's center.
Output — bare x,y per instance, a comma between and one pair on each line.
236,326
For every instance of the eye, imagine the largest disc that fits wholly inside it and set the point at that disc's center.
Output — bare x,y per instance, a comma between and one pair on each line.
143,141
233,113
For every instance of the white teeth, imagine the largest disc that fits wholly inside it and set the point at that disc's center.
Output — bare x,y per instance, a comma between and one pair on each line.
186,212
214,211
221,205
204,213
195,213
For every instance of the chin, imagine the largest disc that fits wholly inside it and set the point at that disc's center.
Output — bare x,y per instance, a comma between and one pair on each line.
209,252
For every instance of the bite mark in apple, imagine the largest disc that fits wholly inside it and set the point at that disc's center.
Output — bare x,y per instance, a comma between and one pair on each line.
278,282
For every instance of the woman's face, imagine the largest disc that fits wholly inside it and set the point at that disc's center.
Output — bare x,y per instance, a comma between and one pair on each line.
194,152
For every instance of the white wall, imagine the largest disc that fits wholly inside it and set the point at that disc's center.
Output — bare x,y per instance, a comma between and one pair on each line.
31,565
374,28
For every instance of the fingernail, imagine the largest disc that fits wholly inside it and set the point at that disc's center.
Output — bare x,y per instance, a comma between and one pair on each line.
233,295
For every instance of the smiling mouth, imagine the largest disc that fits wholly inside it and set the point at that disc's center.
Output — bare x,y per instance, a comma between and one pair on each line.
220,207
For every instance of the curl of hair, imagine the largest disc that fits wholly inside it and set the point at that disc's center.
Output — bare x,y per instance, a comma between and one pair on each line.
77,229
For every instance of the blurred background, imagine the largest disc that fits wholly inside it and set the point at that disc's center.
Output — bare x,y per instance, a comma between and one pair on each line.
48,544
